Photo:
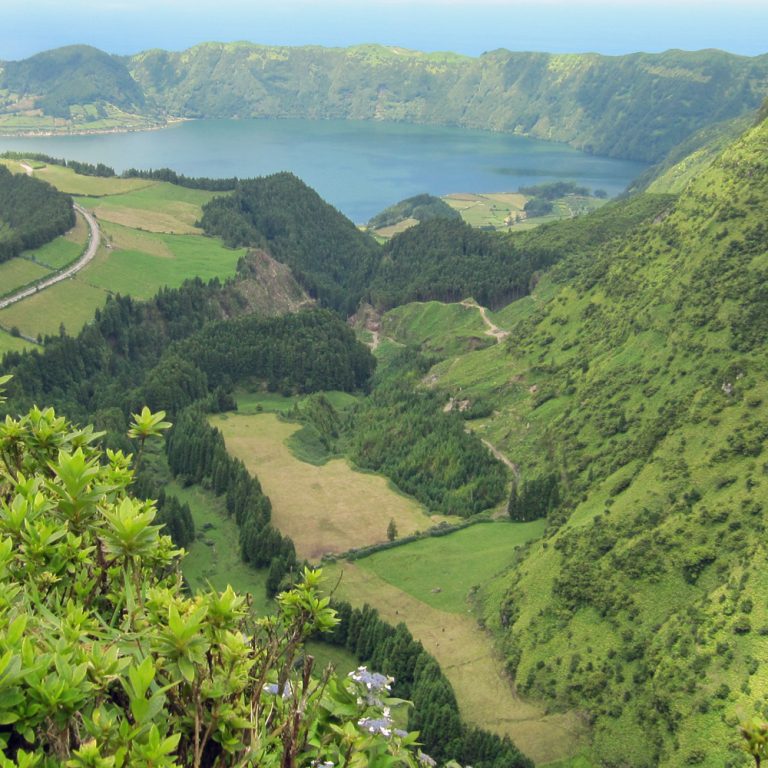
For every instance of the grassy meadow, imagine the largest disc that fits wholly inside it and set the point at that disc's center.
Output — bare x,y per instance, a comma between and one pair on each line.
325,509
438,328
441,571
155,207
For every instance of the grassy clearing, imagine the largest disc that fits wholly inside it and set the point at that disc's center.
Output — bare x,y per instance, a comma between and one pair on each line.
324,509
157,260
73,183
441,571
71,303
271,402
385,233
341,660
10,343
156,207
214,558
17,272
467,656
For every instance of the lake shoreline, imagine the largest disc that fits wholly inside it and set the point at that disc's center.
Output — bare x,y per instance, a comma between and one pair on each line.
359,167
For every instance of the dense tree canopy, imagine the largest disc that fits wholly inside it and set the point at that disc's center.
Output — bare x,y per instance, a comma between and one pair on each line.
32,212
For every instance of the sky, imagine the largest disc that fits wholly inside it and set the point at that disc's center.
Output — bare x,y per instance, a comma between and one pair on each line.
466,26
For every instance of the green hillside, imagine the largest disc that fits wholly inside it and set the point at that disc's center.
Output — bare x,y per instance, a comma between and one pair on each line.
637,377
638,106
77,84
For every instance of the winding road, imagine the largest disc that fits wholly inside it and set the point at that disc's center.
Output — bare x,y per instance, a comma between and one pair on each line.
94,240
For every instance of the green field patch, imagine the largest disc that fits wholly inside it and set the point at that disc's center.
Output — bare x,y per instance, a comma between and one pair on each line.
442,570
214,557
252,402
19,272
160,260
156,207
70,303
9,343
342,661
73,183
325,509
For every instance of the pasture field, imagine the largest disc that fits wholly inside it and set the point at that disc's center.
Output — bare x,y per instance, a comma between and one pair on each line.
214,557
339,658
71,303
140,263
385,233
468,658
66,180
325,509
504,210
155,207
10,343
261,401
442,570
18,272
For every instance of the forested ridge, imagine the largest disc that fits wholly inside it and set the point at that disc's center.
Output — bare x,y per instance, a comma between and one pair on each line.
32,213
327,253
441,259
637,106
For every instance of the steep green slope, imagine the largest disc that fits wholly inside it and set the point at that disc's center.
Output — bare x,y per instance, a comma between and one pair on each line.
636,106
691,156
638,375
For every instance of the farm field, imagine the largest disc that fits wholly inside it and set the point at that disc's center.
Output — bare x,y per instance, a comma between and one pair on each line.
18,272
37,264
73,183
10,343
155,207
442,570
148,241
467,656
139,263
504,210
325,509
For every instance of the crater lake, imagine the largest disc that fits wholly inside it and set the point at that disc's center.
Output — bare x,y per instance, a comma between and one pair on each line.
360,167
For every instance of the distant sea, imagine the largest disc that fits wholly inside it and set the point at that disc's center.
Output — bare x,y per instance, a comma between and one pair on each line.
358,166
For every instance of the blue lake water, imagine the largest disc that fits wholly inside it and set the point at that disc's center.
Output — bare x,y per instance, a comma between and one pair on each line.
359,167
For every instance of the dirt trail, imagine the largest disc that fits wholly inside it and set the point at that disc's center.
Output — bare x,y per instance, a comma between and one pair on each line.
491,328
500,456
